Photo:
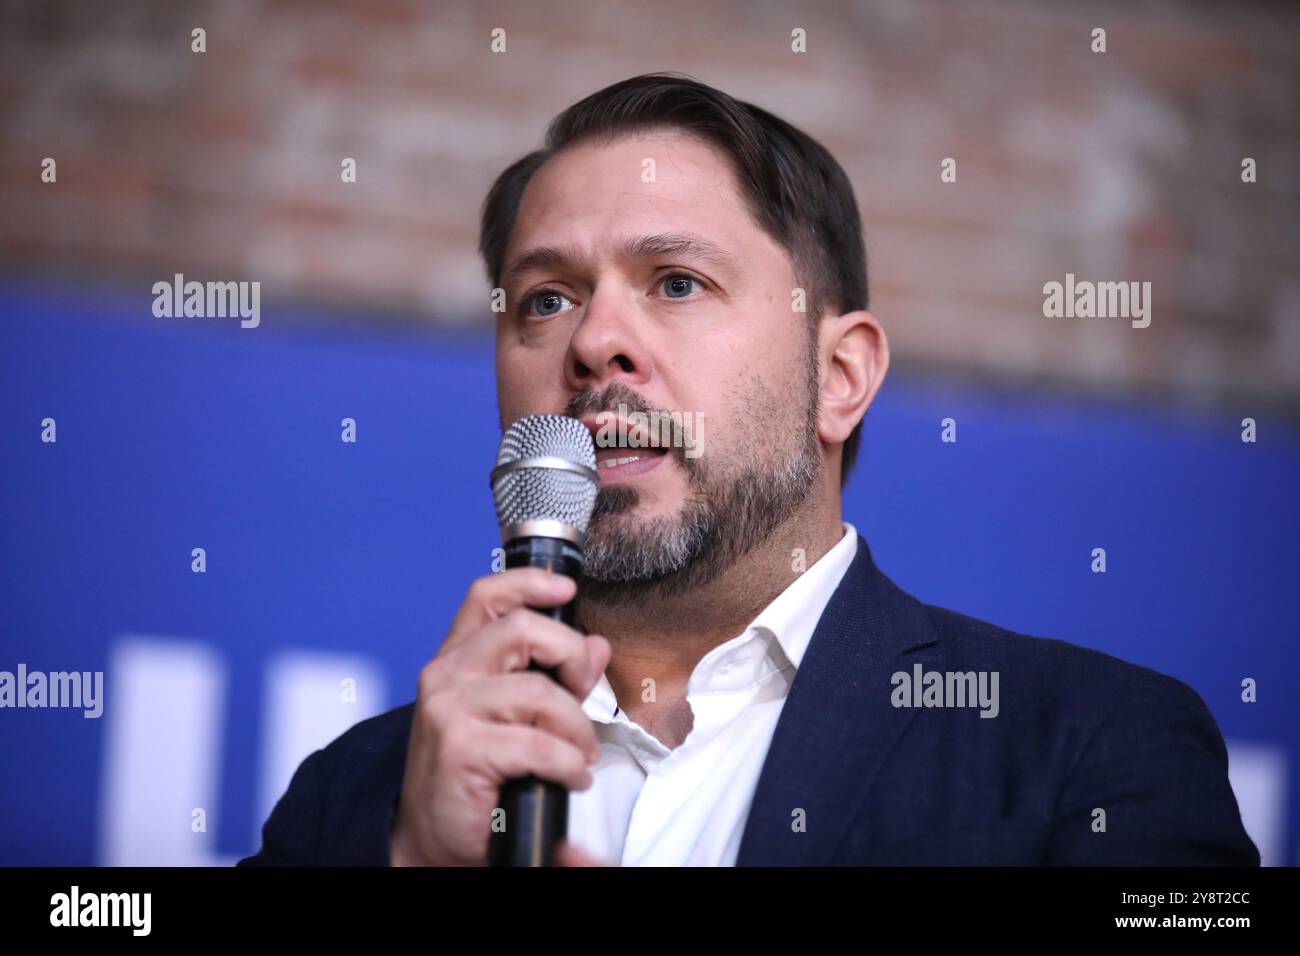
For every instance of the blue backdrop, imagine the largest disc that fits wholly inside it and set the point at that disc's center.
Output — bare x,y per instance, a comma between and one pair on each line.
333,568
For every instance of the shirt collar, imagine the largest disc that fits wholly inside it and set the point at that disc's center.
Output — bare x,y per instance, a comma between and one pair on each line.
793,615
788,623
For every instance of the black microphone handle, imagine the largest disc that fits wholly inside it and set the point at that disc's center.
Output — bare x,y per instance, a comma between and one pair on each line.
536,810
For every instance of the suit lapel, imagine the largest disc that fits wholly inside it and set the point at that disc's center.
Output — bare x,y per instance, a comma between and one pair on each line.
837,725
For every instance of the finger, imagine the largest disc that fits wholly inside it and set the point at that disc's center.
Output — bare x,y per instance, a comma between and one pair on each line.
510,643
532,699
496,595
599,650
570,854
507,751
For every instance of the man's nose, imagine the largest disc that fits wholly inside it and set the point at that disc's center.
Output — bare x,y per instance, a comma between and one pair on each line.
607,345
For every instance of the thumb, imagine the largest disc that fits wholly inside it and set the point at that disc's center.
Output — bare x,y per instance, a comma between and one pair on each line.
600,652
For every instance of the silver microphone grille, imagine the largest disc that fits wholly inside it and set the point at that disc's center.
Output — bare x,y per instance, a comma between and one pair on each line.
546,471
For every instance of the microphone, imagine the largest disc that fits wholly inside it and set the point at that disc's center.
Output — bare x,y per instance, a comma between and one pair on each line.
544,485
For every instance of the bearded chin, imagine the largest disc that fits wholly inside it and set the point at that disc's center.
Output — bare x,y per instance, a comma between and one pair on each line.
630,558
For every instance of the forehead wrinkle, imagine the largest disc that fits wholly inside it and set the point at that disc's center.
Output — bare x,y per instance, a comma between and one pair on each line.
686,245
683,244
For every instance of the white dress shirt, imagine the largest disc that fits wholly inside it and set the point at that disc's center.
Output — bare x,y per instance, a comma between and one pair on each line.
654,806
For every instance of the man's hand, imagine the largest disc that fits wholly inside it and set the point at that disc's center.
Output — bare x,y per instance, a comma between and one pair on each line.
570,854
481,717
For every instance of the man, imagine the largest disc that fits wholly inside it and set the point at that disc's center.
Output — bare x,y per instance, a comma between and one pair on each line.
750,689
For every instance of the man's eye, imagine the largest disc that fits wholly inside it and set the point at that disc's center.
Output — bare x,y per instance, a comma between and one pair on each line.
678,286
546,303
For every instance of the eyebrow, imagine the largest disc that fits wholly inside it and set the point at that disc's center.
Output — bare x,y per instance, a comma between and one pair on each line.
682,244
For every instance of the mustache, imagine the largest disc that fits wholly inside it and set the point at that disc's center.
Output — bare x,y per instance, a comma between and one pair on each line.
588,401
632,403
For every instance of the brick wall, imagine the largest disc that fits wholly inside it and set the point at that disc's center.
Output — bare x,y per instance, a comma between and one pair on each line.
1123,165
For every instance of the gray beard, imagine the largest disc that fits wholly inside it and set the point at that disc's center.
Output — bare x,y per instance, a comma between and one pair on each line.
629,560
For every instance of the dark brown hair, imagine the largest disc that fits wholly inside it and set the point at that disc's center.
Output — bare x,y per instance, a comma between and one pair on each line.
792,187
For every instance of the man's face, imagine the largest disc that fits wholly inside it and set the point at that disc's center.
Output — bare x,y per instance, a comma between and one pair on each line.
697,321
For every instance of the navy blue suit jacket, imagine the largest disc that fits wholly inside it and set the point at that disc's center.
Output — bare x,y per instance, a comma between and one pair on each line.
850,778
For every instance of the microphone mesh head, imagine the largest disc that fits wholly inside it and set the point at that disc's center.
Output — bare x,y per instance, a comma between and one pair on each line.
546,494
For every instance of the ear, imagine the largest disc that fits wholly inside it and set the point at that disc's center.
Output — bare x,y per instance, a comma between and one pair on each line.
854,357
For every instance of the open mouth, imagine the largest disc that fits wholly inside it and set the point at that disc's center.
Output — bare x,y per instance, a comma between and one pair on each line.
616,463
623,451
633,452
